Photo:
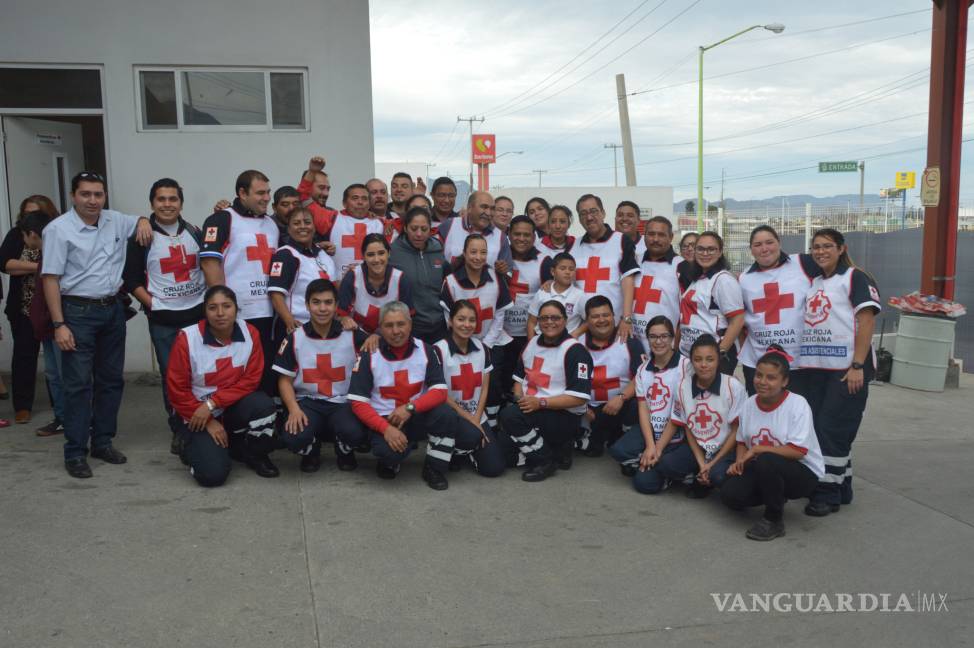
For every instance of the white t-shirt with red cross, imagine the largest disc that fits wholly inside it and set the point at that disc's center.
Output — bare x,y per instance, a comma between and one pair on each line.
787,423
707,305
466,373
657,292
658,390
347,233
708,416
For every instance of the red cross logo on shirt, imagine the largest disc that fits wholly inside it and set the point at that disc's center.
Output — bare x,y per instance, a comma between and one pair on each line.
688,306
764,437
516,288
467,382
601,383
646,294
261,252
705,422
324,375
402,391
773,303
226,373
535,377
370,321
482,314
178,263
817,308
354,240
591,275
659,395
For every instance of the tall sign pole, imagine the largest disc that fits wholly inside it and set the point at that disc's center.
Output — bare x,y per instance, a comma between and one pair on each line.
483,153
627,154
470,120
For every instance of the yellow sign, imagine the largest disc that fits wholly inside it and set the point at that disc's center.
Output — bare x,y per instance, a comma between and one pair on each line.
906,180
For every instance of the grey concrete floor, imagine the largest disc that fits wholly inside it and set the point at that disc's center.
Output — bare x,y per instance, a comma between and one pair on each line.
140,556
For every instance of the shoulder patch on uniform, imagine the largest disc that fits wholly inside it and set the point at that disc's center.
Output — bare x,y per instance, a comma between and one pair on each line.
873,292
358,361
276,268
211,234
283,346
583,371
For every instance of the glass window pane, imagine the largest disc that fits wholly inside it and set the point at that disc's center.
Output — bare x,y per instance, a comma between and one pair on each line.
49,88
287,100
158,99
224,98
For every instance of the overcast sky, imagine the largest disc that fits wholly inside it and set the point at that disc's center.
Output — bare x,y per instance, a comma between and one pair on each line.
535,70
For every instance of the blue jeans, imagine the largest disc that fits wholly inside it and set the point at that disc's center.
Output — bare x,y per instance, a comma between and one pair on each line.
52,372
92,375
163,337
676,463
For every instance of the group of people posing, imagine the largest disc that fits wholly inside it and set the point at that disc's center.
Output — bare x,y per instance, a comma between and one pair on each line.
499,339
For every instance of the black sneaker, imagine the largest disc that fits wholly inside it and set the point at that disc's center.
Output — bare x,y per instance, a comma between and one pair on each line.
310,463
386,472
764,530
540,472
176,445
434,478
54,428
78,468
627,470
263,466
109,454
820,509
698,491
346,461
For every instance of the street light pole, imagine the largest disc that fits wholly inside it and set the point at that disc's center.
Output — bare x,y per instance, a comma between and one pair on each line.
777,28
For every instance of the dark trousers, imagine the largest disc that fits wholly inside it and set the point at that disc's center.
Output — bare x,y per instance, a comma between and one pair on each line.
490,458
438,426
163,337
837,415
504,358
796,380
769,479
265,328
334,422
431,334
676,463
542,435
606,429
23,367
92,375
250,427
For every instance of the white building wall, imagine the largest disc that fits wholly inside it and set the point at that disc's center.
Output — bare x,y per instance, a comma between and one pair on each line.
330,38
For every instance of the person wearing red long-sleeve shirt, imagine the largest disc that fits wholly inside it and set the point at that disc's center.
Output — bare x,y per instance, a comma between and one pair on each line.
213,380
314,190
398,391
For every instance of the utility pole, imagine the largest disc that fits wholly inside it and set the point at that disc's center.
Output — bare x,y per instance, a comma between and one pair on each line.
722,205
615,160
470,120
630,160
539,172
862,184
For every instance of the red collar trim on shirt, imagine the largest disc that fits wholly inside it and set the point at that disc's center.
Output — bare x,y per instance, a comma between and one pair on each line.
763,408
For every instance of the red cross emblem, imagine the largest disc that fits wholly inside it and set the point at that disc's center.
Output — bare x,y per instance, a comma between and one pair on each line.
261,252
402,391
773,303
705,422
354,240
817,308
591,275
467,382
370,321
764,437
601,384
646,294
536,377
688,306
226,373
482,314
324,375
659,395
516,288
178,263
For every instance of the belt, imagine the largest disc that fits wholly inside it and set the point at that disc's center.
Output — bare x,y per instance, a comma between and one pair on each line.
100,301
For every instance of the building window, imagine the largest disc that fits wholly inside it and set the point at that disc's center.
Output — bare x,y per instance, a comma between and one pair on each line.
222,99
42,87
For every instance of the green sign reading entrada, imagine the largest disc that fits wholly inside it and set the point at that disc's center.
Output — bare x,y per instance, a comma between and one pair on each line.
837,167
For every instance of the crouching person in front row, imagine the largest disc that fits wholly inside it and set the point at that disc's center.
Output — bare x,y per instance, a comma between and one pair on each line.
214,373
315,366
398,391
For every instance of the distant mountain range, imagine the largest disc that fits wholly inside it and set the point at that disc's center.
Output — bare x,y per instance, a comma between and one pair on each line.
793,201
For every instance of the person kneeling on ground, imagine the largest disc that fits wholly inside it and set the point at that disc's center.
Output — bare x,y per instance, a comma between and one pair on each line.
778,456
315,366
398,391
551,392
213,379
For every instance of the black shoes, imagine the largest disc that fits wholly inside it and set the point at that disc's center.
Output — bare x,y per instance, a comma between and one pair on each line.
176,446
78,468
53,428
764,530
540,472
564,461
820,509
594,450
263,466
310,463
434,478
109,454
346,460
698,491
627,470
386,472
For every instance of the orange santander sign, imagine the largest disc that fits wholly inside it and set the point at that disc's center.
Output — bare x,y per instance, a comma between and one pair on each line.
484,149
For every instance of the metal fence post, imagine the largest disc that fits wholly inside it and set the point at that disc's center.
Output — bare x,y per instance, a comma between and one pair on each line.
720,221
808,227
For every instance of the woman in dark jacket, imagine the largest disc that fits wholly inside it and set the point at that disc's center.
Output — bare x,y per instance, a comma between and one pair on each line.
420,258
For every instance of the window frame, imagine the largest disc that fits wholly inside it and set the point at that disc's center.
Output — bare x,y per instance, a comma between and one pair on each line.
182,127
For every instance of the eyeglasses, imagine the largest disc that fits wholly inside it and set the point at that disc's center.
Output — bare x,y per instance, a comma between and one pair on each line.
550,318
688,246
707,250
660,338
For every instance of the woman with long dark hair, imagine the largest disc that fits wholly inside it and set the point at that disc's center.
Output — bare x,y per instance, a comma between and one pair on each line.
371,284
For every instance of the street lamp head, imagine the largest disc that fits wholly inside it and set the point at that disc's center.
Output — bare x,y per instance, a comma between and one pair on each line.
775,27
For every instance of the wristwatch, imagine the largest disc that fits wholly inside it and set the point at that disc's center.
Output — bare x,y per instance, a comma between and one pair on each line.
210,405
410,408
627,319
856,365
57,325
543,403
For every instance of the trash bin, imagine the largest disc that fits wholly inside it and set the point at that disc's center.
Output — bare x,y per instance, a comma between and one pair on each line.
923,349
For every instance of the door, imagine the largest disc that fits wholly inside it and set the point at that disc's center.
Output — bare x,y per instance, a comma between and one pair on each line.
41,157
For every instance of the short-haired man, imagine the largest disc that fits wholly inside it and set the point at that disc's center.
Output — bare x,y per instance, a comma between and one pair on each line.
166,279
286,200
83,258
444,193
378,199
627,222
657,289
398,391
605,261
401,190
478,220
615,364
314,189
314,366
503,213
238,243
350,227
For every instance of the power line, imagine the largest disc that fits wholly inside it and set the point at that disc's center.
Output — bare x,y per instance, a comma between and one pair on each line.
446,141
751,41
